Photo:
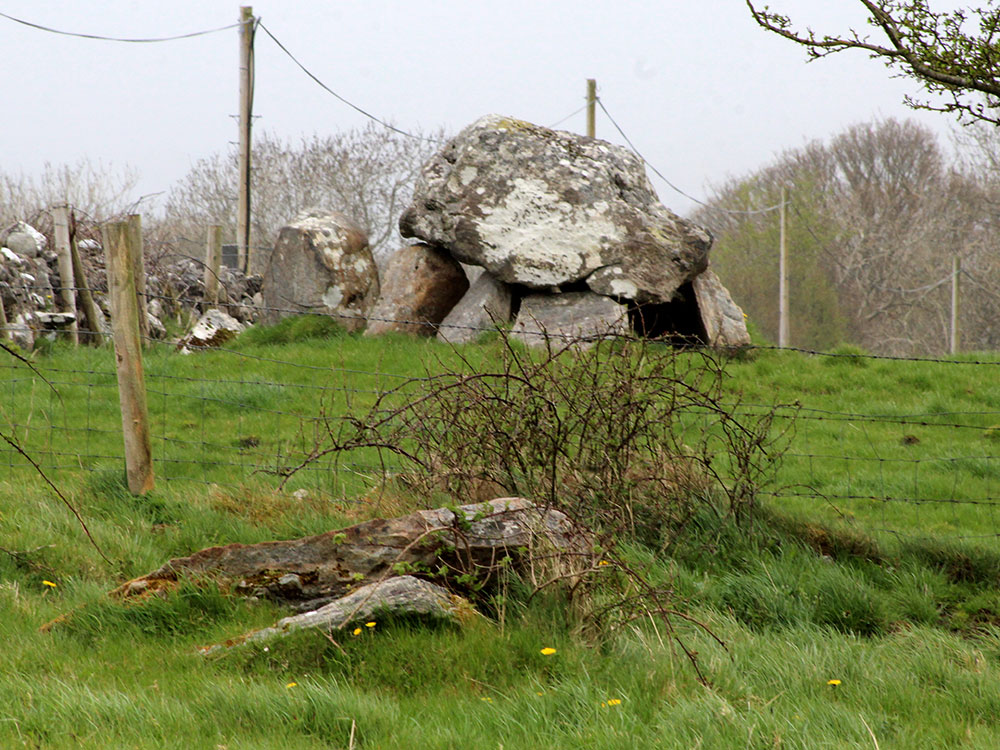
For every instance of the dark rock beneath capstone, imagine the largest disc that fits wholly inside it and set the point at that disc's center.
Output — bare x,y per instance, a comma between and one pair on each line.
484,307
577,317
421,285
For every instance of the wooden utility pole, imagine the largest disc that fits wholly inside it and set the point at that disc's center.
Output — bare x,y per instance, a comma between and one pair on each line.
956,270
782,277
213,264
246,120
592,107
120,263
60,221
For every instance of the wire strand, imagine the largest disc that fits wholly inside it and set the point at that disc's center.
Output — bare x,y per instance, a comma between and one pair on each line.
134,40
660,174
350,104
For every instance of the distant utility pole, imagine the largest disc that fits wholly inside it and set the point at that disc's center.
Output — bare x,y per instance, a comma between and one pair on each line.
246,119
591,107
956,270
782,278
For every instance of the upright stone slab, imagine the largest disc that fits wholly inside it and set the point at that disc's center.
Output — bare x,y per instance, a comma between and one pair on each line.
321,263
564,317
546,208
724,322
484,306
421,286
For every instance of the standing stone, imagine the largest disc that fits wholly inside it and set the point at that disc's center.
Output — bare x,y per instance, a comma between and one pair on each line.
486,305
545,208
724,322
421,286
321,263
568,316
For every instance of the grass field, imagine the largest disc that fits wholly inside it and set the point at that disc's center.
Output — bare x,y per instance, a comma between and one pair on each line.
859,606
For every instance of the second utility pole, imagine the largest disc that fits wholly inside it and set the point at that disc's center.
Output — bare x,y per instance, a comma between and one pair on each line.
591,111
782,278
246,118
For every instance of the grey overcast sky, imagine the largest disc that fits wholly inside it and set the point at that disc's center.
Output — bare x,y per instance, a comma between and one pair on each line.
702,91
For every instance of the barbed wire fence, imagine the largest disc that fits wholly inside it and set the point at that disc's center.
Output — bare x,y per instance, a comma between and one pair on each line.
927,473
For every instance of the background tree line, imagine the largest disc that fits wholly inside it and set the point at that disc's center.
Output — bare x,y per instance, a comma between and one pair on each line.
876,214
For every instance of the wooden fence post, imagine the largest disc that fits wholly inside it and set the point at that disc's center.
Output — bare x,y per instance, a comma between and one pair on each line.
138,271
4,333
213,264
90,309
120,262
60,220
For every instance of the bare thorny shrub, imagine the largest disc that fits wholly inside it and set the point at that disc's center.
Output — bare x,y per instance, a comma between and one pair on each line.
628,437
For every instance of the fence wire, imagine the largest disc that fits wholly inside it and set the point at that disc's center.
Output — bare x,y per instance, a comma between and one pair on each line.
916,472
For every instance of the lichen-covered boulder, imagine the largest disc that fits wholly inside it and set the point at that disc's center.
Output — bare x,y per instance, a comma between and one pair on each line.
420,287
546,208
321,263
724,322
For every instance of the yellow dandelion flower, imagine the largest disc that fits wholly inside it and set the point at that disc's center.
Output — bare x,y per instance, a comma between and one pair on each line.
833,683
356,631
539,693
603,563
603,704
547,651
291,684
614,702
369,624
48,583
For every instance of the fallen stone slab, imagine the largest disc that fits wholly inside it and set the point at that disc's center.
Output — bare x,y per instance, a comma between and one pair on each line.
315,570
393,598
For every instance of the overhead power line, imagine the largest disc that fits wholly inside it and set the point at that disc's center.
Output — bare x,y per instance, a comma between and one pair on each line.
660,174
330,91
135,40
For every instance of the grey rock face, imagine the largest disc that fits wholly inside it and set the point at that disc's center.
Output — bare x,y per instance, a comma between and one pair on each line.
25,240
421,286
545,208
725,323
486,305
561,317
321,263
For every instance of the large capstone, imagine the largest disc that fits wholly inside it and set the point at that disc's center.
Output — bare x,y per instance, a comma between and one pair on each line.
545,208
321,263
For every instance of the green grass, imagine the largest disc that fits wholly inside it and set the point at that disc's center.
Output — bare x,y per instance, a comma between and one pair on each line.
896,600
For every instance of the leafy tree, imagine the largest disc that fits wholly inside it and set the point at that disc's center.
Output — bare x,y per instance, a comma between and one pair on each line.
952,53
365,174
874,219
